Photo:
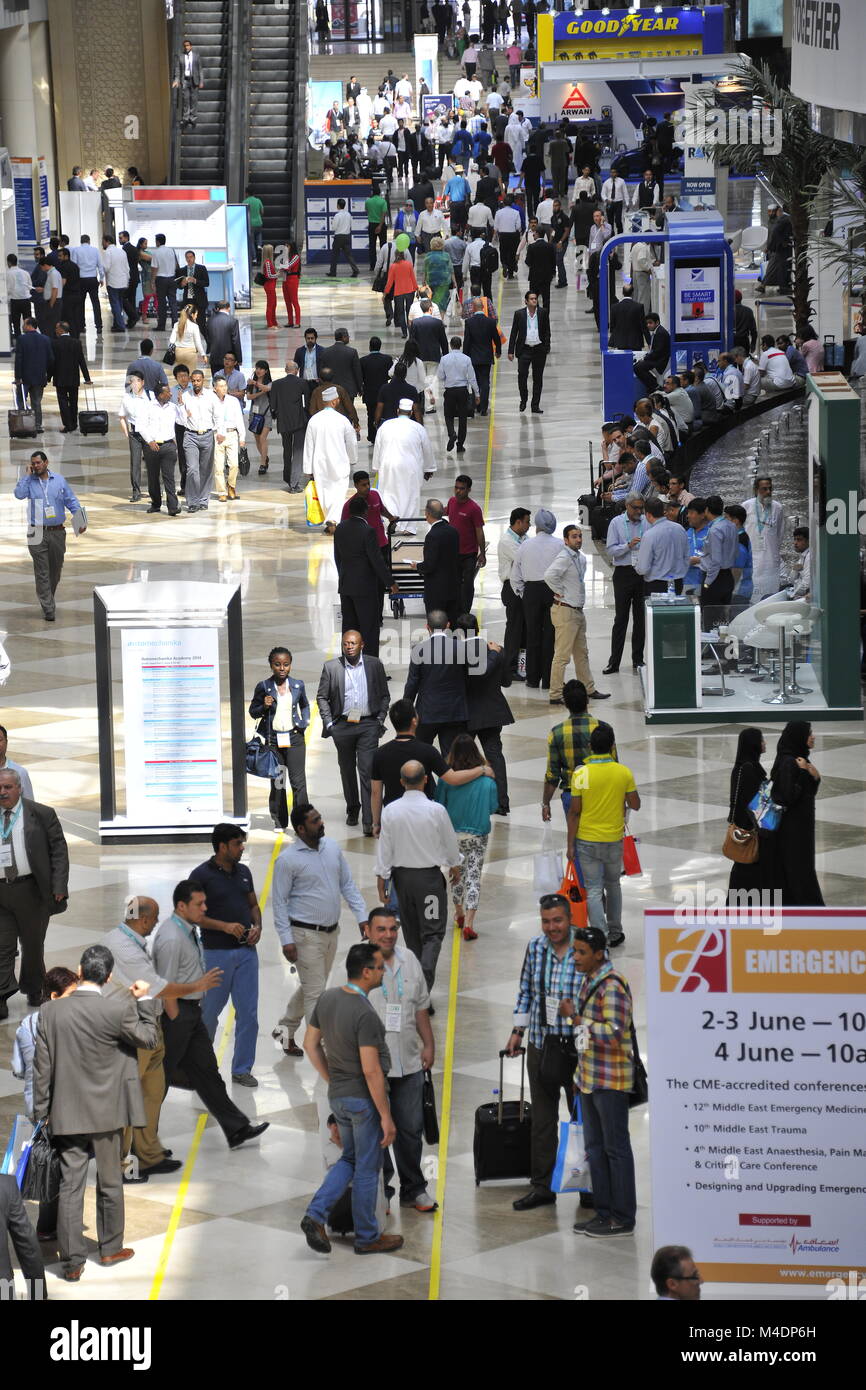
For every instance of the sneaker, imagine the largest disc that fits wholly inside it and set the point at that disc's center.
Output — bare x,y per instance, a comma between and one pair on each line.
616,940
244,1078
423,1202
602,1229
596,1225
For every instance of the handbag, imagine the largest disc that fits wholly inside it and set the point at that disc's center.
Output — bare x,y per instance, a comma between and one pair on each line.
39,1170
571,889
740,845
170,354
378,286
243,461
558,1061
261,760
571,1169
258,278
256,423
428,1106
314,512
630,858
767,812
547,866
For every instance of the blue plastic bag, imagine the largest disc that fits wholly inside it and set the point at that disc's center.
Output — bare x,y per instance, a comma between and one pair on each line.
571,1170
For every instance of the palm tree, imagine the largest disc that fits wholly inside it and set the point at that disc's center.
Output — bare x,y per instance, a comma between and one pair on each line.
841,203
804,158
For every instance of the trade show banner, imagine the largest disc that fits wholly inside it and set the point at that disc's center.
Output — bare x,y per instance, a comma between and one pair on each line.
237,224
756,1052
322,97
426,62
25,202
827,44
44,218
697,293
172,724
436,104
647,33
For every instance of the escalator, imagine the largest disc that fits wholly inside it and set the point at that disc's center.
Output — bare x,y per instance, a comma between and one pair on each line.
200,154
271,121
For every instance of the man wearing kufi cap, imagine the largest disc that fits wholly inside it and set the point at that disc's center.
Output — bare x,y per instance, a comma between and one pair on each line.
330,455
403,458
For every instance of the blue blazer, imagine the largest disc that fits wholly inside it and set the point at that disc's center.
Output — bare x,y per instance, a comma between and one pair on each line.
300,704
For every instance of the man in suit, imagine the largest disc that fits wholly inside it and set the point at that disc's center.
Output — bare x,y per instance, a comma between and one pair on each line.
480,343
193,281
427,332
436,683
223,336
69,366
374,373
530,343
487,671
72,299
15,1223
440,567
308,360
344,363
76,184
353,702
289,409
362,575
34,884
86,1085
34,356
189,79
353,89
540,261
130,306
627,323
653,367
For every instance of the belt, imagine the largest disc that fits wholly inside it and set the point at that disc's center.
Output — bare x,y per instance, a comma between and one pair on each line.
20,878
192,430
576,607
314,926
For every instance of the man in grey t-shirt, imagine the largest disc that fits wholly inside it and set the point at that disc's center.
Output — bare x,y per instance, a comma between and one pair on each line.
345,1041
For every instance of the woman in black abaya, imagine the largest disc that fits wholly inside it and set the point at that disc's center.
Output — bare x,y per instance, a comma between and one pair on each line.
747,774
795,786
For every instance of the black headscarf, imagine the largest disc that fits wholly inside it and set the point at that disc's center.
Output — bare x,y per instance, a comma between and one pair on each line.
749,747
794,743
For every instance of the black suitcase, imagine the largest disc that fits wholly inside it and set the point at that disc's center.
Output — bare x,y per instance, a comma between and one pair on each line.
92,421
501,1147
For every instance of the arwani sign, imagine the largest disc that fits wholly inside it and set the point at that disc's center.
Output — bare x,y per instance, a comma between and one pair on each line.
827,44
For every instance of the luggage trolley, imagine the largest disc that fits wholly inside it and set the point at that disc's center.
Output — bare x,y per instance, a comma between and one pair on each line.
410,586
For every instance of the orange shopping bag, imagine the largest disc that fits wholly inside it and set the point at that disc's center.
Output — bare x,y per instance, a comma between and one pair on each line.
630,858
571,889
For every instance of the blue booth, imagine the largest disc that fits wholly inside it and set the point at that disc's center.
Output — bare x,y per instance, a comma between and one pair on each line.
698,307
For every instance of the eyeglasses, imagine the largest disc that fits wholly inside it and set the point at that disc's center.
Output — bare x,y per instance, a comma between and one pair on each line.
688,1278
553,900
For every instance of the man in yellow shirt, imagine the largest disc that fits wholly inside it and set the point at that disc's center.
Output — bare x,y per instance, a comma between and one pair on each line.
600,791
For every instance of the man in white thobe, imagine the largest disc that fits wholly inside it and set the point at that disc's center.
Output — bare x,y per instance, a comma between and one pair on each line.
516,135
403,458
765,524
330,454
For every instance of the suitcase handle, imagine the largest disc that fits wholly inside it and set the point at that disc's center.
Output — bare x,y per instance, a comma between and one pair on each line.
521,1053
89,386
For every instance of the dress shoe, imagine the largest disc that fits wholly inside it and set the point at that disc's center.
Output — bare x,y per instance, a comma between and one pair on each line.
248,1132
368,831
450,445
385,1245
516,676
353,817
159,509
461,449
49,617
556,702
165,1165
47,1237
72,1276
610,670
534,1199
4,1009
118,1258
522,406
317,1236
135,1182
244,1078
599,695
291,1049
637,665
536,410
502,811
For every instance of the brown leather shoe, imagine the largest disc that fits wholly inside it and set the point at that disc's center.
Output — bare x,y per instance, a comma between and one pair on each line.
72,1276
125,1254
383,1246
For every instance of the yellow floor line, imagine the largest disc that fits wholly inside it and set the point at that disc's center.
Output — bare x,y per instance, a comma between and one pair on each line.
445,1123
180,1199
493,380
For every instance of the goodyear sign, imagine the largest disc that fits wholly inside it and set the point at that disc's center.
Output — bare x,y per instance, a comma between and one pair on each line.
569,37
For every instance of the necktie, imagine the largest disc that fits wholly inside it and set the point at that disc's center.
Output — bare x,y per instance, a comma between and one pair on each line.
11,867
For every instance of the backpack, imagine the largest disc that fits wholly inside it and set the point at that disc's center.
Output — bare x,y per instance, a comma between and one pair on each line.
489,260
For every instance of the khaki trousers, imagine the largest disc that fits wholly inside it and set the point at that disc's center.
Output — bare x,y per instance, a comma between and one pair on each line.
145,1141
316,951
225,461
569,633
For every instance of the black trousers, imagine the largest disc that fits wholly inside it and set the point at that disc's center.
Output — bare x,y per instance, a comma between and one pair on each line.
189,1051
423,903
67,401
614,216
482,376
166,300
377,236
160,474
72,311
660,586
542,289
90,290
356,744
455,403
130,307
508,243
179,435
404,163
545,1121
294,761
361,613
628,598
537,603
647,376
23,924
446,734
342,246
534,358
718,594
467,581
515,626
18,309
293,462
491,743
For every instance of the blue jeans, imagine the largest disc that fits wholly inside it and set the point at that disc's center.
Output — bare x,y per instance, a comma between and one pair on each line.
405,1098
240,982
608,1151
115,299
601,862
361,1133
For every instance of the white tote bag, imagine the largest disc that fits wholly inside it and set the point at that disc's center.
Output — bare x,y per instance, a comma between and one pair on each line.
547,867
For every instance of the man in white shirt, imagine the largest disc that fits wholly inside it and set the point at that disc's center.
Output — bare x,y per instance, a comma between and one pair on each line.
202,420
751,375
133,416
507,228
416,838
731,380
430,223
584,183
116,268
765,527
564,576
462,89
506,553
544,213
388,123
231,434
403,1005
404,88
341,240
52,293
157,424
163,263
89,263
614,195
775,369
475,91
18,287
480,218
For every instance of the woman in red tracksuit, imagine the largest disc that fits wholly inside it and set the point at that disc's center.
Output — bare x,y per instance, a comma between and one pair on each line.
291,277
269,271
402,284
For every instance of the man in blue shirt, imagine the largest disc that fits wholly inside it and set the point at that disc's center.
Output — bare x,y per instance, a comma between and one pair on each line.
152,371
229,934
696,534
34,358
719,557
50,497
663,555
459,194
624,536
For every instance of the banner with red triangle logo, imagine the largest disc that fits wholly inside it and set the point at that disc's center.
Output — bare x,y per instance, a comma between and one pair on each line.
576,101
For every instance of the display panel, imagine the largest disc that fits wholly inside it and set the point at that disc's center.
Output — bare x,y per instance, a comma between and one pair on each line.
697,299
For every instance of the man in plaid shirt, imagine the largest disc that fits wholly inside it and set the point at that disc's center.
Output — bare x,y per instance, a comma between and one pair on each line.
547,982
604,1077
567,746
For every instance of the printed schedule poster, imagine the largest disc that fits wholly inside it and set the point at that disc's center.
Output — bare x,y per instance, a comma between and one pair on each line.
757,1046
172,730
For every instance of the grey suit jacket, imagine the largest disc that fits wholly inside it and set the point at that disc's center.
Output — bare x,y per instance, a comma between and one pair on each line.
332,691
85,1069
47,852
15,1222
197,72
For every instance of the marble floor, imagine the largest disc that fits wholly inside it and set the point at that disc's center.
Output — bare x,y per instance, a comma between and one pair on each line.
237,1214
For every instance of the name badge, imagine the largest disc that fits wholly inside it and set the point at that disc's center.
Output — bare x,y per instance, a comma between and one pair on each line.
353,716
393,1018
581,1037
551,1008
284,738
6,855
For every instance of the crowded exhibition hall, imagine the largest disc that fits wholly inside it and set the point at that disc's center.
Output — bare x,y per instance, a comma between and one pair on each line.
448,847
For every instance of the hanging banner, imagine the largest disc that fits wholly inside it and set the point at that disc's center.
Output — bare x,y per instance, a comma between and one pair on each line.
426,64
172,725
44,216
578,36
436,104
25,204
757,1045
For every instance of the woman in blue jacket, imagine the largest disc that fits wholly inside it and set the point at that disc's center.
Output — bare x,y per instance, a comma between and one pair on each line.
469,809
281,706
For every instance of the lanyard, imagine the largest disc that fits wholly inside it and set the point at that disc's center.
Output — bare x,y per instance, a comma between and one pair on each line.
549,957
193,936
763,516
6,834
357,990
398,976
133,936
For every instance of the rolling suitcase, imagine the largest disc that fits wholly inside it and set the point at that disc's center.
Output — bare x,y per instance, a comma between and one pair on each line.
501,1147
92,421
410,585
22,420
834,353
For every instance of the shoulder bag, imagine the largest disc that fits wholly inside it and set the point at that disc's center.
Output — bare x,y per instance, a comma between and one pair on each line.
170,354
767,812
428,1103
39,1170
243,461
261,760
639,1093
740,845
